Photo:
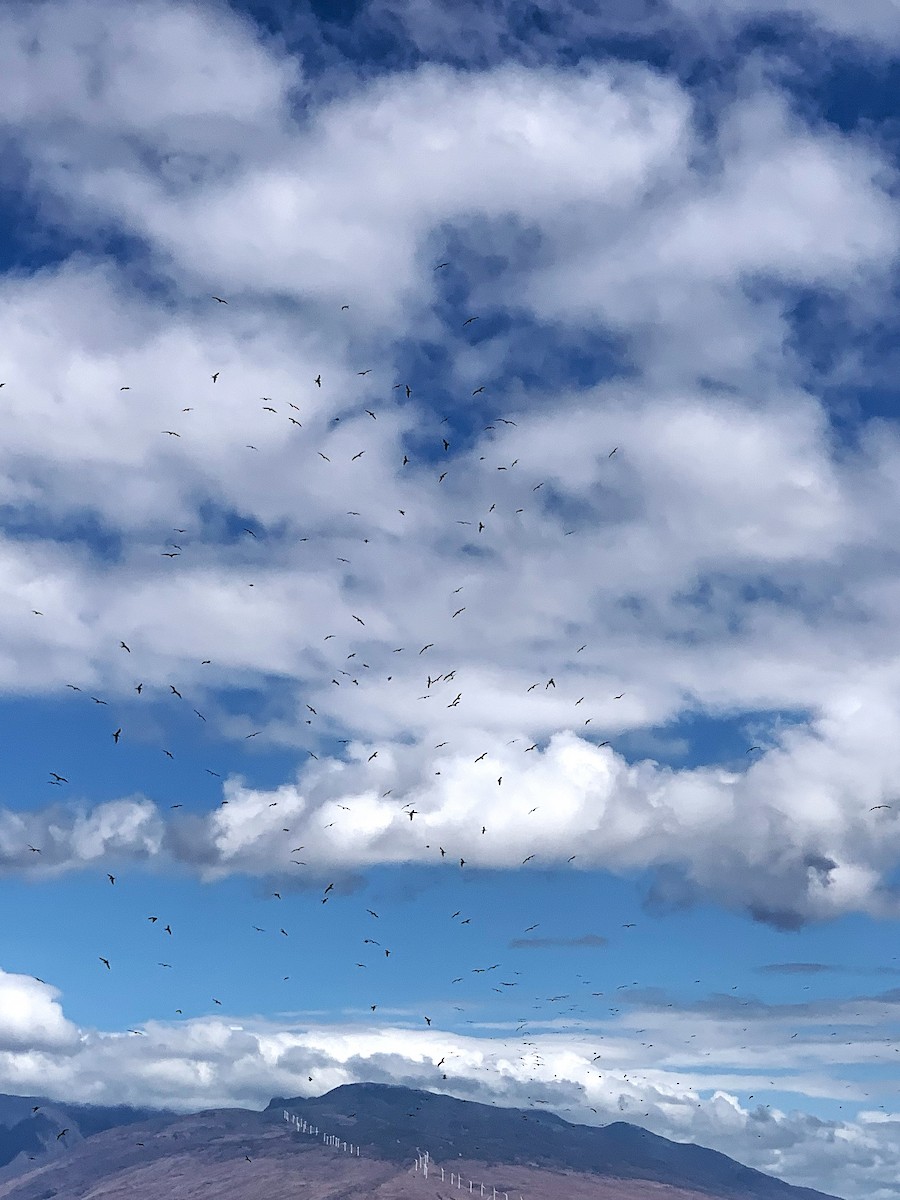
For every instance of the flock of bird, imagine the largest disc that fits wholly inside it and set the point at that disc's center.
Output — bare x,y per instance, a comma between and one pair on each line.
433,683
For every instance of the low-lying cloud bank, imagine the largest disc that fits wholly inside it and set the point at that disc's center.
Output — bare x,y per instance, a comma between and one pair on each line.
641,1067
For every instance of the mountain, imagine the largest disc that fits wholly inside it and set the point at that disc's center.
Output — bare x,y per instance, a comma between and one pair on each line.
29,1133
395,1122
236,1154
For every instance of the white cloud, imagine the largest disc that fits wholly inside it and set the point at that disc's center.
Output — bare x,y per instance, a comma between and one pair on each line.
680,633
789,839
477,34
31,1019
154,70
874,22
433,147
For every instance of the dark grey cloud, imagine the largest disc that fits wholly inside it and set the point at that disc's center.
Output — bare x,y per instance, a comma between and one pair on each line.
797,968
804,968
547,943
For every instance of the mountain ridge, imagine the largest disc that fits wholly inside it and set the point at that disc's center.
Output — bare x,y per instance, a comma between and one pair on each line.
398,1120
126,1153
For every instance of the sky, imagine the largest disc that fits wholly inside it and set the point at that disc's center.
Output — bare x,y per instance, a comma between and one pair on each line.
466,653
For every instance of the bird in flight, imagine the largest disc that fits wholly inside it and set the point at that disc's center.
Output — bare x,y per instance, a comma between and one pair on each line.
318,381
215,377
105,962
469,321
124,647
220,300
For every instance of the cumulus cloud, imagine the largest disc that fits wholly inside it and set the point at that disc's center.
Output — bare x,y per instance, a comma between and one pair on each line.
746,839
762,609
32,1021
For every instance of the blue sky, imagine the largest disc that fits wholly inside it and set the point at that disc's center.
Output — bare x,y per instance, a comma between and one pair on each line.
659,468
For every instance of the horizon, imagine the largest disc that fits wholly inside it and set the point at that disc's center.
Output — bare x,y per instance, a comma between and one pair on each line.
448,495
